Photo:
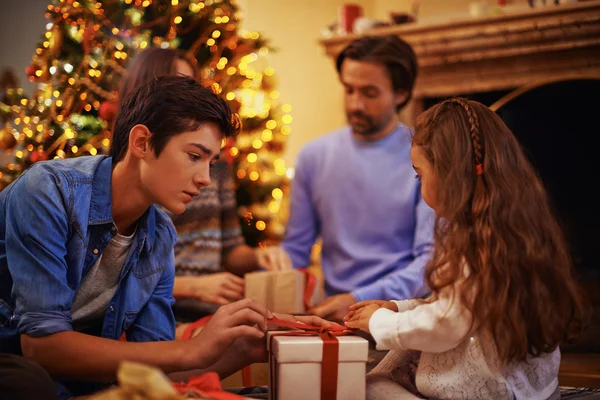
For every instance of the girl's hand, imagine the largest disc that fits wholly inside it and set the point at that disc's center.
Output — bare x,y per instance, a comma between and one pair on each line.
361,312
382,304
359,319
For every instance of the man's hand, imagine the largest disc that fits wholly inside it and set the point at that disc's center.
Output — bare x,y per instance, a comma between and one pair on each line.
390,305
273,258
243,322
360,313
335,307
221,288
302,319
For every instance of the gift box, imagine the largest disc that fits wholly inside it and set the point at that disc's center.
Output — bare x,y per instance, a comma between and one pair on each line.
308,366
138,381
253,375
291,292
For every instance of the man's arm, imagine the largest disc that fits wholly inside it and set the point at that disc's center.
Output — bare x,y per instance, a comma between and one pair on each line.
406,283
303,225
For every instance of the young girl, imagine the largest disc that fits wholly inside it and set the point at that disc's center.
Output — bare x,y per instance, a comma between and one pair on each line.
503,296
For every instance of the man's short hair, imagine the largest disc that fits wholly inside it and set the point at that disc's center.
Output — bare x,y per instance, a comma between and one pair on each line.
168,106
390,51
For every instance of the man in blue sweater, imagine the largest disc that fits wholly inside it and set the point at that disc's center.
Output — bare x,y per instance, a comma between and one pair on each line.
356,188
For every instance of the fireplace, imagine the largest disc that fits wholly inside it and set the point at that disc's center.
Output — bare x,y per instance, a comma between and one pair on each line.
556,122
540,71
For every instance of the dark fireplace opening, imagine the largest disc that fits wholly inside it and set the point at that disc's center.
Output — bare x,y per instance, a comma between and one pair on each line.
558,126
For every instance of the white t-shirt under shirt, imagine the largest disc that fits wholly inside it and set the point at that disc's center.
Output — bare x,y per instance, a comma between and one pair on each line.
100,283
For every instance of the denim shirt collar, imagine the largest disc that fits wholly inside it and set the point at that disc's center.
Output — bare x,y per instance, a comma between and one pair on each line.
101,205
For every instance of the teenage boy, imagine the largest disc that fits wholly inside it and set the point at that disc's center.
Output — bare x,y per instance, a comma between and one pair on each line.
86,256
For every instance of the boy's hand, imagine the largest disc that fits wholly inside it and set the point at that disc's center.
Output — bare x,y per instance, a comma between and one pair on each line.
361,312
243,321
254,350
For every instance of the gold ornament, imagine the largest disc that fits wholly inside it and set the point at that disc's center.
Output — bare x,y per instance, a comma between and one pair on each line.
7,139
55,40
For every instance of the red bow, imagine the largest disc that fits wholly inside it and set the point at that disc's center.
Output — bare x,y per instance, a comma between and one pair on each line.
309,287
208,384
329,364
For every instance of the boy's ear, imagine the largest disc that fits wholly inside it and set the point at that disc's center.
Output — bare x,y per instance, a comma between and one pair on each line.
139,141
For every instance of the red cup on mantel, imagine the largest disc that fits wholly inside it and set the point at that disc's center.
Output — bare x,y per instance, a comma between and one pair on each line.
347,14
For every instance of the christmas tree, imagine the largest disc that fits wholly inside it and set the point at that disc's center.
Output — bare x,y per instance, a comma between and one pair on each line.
81,57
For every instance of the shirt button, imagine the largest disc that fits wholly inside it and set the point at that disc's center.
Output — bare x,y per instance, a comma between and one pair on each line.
112,308
95,251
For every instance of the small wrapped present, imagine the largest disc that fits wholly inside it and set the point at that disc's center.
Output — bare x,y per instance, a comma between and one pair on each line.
291,292
142,382
316,364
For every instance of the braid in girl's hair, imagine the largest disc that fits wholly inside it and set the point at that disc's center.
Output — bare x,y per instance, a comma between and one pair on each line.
474,132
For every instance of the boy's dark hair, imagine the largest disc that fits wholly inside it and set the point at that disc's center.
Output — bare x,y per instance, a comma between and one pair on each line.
390,51
168,106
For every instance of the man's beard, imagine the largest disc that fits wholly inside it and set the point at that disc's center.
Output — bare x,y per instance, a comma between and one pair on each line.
363,124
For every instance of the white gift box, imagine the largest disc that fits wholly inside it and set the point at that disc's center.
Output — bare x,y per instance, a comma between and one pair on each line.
296,361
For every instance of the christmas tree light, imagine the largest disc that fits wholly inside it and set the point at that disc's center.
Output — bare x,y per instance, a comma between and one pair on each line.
83,54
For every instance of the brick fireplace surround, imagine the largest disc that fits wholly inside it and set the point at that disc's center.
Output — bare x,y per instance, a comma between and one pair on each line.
509,54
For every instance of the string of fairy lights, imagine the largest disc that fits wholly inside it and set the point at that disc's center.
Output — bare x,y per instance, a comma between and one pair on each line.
83,53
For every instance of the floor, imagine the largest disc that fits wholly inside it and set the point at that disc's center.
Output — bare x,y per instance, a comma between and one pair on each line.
580,370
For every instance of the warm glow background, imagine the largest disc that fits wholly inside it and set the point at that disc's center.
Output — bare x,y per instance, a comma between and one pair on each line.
307,78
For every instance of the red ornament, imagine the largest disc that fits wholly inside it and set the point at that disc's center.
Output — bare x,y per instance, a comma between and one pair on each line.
108,110
88,35
39,155
30,70
347,15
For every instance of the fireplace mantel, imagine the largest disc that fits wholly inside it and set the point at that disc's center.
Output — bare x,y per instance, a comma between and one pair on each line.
500,52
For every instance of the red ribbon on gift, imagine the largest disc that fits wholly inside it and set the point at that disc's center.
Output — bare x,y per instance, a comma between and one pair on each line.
309,287
329,364
208,384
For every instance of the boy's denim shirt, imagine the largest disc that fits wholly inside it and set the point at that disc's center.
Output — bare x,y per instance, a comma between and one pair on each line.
55,221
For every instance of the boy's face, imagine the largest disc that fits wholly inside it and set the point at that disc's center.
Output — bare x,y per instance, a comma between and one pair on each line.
175,177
